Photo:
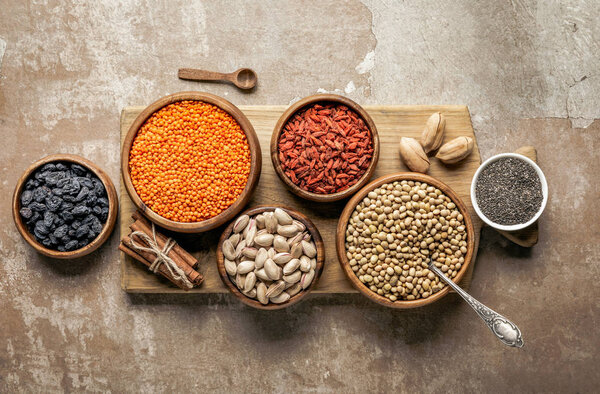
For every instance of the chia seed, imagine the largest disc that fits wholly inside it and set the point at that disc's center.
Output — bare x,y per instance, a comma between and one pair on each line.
509,191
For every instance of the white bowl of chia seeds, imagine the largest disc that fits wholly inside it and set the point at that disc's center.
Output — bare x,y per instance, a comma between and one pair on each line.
509,192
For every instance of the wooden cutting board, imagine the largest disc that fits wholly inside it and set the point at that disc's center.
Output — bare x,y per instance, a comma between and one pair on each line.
392,123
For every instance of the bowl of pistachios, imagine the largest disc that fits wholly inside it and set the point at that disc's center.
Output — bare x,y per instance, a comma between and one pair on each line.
270,257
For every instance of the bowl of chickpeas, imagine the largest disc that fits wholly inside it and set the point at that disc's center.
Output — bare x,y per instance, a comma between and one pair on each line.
393,228
191,161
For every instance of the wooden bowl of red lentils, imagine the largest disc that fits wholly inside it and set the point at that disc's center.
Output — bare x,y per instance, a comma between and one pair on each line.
191,161
325,147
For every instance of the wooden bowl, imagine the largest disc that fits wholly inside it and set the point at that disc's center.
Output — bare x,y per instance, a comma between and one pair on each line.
345,217
297,107
255,163
316,237
113,207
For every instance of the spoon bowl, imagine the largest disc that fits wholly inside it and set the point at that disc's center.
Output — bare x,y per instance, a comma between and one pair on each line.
244,78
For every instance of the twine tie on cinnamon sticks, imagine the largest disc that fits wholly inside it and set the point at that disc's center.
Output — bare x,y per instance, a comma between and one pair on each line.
162,256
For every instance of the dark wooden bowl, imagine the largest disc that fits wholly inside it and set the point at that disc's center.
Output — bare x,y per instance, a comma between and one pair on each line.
345,217
316,237
113,207
297,107
255,163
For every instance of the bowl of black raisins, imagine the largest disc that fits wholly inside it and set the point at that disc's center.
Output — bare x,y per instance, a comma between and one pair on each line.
65,206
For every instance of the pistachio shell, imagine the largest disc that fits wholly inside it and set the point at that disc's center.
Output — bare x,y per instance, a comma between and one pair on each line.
245,266
309,249
288,230
228,250
249,282
296,250
275,289
235,238
249,252
282,258
294,289
241,223
291,266
264,240
261,257
283,218
230,267
262,274
293,277
280,299
261,295
307,278
280,244
273,271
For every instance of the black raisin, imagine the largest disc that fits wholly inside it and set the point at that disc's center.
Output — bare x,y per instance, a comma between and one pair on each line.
77,169
96,226
72,187
61,248
71,232
49,218
71,245
83,193
97,210
26,213
76,224
40,193
98,188
67,216
104,214
37,206
48,167
36,216
53,203
57,191
61,167
82,231
88,219
91,200
47,242
54,177
65,239
52,239
31,184
80,210
61,231
26,197
81,244
103,202
85,182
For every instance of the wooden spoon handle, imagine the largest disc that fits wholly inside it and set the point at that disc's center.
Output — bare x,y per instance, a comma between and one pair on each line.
195,74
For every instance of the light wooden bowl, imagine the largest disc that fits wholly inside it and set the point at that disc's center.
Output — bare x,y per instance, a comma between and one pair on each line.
345,217
316,237
297,107
113,207
255,162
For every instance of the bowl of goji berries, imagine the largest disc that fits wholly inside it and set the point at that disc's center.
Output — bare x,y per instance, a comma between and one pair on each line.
325,147
191,161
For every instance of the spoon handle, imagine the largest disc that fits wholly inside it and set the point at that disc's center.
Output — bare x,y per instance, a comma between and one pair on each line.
195,74
502,328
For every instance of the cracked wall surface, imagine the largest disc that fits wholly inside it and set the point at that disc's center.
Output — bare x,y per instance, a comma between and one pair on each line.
528,70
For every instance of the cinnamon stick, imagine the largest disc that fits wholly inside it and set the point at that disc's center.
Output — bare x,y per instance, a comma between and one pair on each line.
162,270
140,221
194,276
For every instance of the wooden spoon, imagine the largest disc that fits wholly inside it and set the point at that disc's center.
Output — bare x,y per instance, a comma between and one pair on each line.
244,78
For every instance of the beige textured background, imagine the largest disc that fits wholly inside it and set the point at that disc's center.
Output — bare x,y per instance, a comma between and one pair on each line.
528,71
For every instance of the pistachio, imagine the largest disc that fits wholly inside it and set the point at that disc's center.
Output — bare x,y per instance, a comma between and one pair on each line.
230,267
249,252
305,265
275,289
280,299
240,280
251,293
262,274
294,289
295,239
261,295
249,282
270,222
283,218
433,133
413,155
291,266
307,278
455,150
293,277
228,250
288,230
296,250
261,257
241,223
260,221
280,244
238,249
309,249
272,270
264,240
245,266
250,233
282,258
299,224
235,238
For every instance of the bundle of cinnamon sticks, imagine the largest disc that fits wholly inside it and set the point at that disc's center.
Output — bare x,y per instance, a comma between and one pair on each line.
185,261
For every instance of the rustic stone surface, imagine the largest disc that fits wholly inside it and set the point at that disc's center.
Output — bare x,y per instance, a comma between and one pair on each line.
528,71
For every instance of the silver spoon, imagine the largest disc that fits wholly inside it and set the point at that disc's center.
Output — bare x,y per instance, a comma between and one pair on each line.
502,328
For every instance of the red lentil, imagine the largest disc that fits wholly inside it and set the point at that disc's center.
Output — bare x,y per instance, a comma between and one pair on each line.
325,148
189,161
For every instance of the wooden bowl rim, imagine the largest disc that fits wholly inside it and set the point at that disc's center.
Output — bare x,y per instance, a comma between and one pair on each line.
355,200
299,105
108,226
316,237
253,177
